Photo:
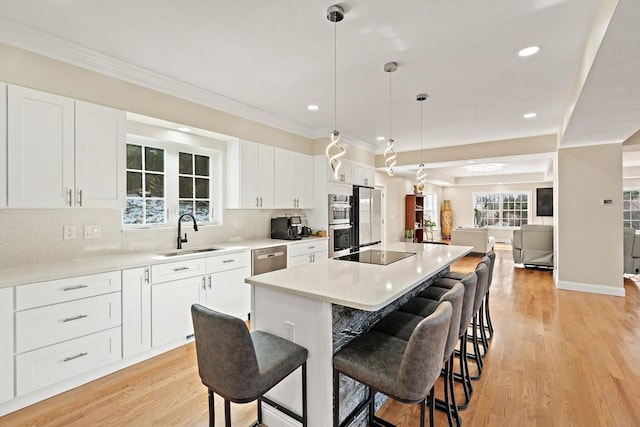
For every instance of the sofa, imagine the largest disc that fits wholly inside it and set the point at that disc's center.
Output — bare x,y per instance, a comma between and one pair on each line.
631,251
532,245
477,237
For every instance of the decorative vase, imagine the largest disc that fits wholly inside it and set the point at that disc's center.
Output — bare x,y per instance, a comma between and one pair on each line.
446,219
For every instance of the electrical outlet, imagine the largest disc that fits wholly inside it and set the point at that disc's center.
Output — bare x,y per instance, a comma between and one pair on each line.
289,331
92,231
69,232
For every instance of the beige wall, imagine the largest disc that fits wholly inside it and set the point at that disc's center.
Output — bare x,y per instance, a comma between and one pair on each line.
590,249
462,204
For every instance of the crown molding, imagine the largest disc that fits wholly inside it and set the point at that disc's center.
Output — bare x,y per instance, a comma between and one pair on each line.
31,39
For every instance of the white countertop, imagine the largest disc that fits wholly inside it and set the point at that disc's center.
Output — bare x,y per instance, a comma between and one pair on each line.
363,286
37,272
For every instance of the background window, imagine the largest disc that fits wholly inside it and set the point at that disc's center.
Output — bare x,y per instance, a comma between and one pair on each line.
631,209
430,207
501,209
194,186
145,186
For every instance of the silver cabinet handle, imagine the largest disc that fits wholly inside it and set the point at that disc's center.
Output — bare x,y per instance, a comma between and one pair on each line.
78,317
204,284
226,261
67,359
80,197
69,195
260,201
73,288
180,269
147,275
209,282
257,204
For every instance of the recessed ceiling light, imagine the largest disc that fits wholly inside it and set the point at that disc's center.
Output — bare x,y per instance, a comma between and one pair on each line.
312,107
470,162
484,167
529,115
528,51
183,129
380,138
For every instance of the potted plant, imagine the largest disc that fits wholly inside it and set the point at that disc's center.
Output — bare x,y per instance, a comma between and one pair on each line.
429,224
408,236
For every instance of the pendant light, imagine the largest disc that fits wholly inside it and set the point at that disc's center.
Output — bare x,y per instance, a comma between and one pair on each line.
421,175
389,152
335,150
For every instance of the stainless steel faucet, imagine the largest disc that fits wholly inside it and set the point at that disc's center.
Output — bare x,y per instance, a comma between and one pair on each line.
195,228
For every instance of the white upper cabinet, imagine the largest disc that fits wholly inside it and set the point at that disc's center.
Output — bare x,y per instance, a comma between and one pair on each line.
63,153
3,145
100,156
293,180
250,175
40,149
363,174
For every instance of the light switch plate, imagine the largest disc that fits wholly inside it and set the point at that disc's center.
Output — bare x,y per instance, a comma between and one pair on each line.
92,231
69,232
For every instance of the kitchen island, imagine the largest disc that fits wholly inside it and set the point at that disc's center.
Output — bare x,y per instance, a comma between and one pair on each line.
323,305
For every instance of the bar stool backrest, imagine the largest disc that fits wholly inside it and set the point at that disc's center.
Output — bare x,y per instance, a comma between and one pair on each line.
482,271
492,257
455,297
422,360
470,282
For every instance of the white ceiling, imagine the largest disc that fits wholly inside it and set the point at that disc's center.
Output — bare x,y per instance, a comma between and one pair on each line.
267,60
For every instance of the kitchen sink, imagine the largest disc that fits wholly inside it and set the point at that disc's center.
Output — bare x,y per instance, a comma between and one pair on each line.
188,252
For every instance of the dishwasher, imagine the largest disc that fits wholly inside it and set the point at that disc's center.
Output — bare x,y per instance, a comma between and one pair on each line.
264,260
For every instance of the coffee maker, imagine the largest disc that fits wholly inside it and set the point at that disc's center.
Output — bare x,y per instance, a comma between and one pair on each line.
286,228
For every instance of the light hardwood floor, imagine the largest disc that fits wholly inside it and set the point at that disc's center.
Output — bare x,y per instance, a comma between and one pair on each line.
558,358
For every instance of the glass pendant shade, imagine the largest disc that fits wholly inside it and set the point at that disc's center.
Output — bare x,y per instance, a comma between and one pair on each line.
334,151
390,157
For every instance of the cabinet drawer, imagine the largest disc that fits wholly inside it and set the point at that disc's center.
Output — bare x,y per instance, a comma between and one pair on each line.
177,270
43,326
48,365
55,291
228,262
308,248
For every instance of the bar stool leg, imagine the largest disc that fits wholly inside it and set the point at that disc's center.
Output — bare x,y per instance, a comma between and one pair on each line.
481,326
336,398
227,413
305,418
432,408
488,317
465,377
212,410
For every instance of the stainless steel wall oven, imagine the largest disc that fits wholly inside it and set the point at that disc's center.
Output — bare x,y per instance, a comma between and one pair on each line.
340,224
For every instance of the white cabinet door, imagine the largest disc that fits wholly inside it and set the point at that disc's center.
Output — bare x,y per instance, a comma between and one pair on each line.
6,344
293,180
40,138
136,311
100,135
345,172
299,260
250,175
3,146
224,293
369,176
363,174
171,309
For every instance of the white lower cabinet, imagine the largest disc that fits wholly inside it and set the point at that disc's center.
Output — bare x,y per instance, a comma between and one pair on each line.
307,252
171,309
225,293
6,344
136,311
48,365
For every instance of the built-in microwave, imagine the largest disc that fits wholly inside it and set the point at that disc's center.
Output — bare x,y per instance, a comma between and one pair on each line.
340,239
340,209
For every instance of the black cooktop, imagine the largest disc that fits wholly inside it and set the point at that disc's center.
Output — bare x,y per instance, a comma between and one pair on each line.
375,256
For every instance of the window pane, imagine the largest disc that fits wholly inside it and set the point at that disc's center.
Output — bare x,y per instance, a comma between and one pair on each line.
134,157
185,207
154,185
134,184
202,165
155,211
202,211
626,215
154,159
186,187
202,188
186,164
635,195
133,212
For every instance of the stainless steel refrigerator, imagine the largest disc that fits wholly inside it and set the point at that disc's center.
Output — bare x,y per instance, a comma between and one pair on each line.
367,217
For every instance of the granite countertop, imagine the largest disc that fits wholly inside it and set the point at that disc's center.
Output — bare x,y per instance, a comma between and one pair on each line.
50,270
363,286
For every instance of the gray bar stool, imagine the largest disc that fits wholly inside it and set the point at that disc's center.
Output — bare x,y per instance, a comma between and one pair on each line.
436,291
405,371
400,322
242,366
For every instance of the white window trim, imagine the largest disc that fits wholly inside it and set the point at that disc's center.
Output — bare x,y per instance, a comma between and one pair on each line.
171,180
529,194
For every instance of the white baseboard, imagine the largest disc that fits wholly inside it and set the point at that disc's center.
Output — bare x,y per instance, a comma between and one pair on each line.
590,288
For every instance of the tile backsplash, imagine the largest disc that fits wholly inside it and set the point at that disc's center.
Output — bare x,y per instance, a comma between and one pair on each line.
36,235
